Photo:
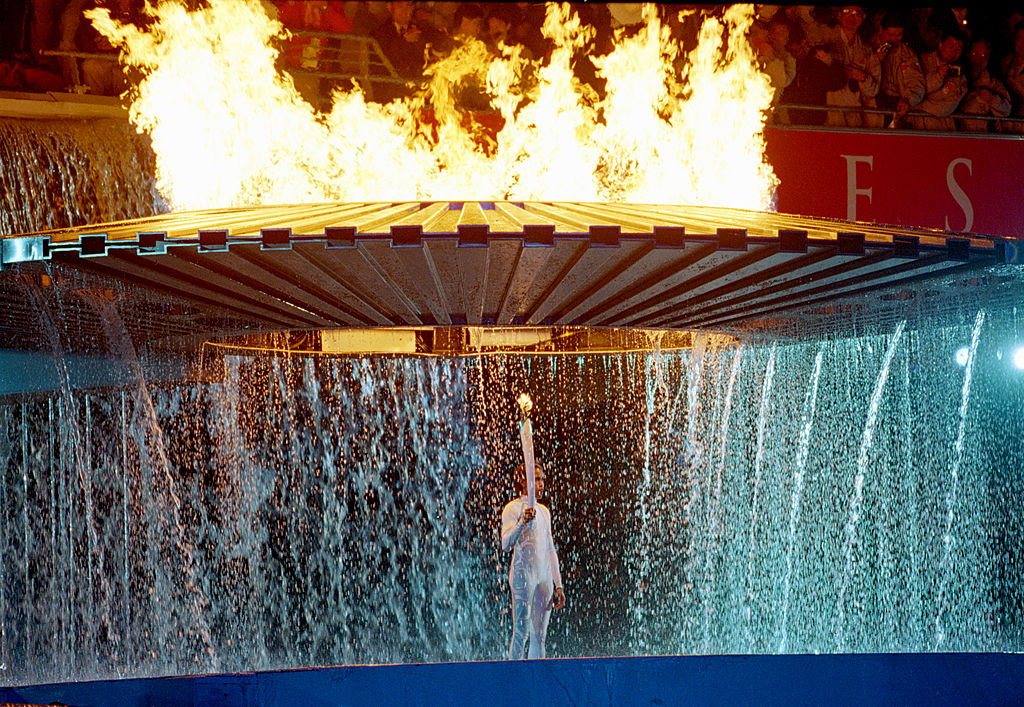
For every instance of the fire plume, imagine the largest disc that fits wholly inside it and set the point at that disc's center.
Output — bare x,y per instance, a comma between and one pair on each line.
672,126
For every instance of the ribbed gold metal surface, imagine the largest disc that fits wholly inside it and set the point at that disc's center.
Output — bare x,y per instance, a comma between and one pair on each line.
330,266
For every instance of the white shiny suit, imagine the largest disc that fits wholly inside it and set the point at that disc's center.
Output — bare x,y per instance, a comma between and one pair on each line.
532,577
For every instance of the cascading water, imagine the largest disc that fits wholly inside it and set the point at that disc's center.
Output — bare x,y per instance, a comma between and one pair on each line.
59,173
654,379
322,510
951,495
810,405
857,500
762,422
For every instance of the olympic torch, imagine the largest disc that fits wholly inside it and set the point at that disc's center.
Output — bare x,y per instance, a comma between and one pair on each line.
526,436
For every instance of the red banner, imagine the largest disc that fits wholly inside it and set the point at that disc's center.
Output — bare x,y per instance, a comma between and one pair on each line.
955,183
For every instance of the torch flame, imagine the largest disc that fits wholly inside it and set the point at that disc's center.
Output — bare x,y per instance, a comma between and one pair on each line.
525,404
229,129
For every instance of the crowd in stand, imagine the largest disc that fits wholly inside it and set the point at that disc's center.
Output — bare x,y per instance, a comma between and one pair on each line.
928,69
849,66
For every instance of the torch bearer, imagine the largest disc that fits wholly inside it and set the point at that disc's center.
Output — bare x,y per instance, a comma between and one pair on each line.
526,436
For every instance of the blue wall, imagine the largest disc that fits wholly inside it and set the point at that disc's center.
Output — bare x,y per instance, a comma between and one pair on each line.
30,372
867,679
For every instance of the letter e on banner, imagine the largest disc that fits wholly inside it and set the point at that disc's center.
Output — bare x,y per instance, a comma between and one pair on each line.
852,190
958,194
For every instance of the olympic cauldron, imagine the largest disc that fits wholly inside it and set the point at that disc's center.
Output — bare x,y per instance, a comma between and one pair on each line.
501,264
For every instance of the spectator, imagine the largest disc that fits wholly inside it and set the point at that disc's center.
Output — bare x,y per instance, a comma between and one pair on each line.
20,70
861,65
987,95
817,73
366,16
902,85
781,68
320,16
44,29
500,21
1013,73
14,27
468,22
471,25
404,46
947,19
513,16
920,33
303,53
97,75
432,22
444,15
944,82
1008,31
770,44
527,31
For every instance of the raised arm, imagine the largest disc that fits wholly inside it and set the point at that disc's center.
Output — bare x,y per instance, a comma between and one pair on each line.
512,525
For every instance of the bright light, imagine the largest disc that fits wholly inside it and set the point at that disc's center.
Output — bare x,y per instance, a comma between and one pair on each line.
1018,357
961,356
675,125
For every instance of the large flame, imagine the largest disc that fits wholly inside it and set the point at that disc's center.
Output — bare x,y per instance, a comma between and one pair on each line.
229,129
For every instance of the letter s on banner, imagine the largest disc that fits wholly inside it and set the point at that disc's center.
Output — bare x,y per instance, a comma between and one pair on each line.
958,194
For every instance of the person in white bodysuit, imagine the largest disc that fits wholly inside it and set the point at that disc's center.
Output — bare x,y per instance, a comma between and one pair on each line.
534,577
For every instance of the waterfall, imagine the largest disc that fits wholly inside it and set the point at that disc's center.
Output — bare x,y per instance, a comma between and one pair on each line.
6,459
810,403
152,439
762,422
856,501
60,173
71,467
954,485
715,501
644,496
306,510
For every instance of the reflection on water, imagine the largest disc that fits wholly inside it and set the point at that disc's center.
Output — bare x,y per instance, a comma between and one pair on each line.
857,494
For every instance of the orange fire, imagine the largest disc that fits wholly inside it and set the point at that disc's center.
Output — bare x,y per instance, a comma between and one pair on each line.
230,130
